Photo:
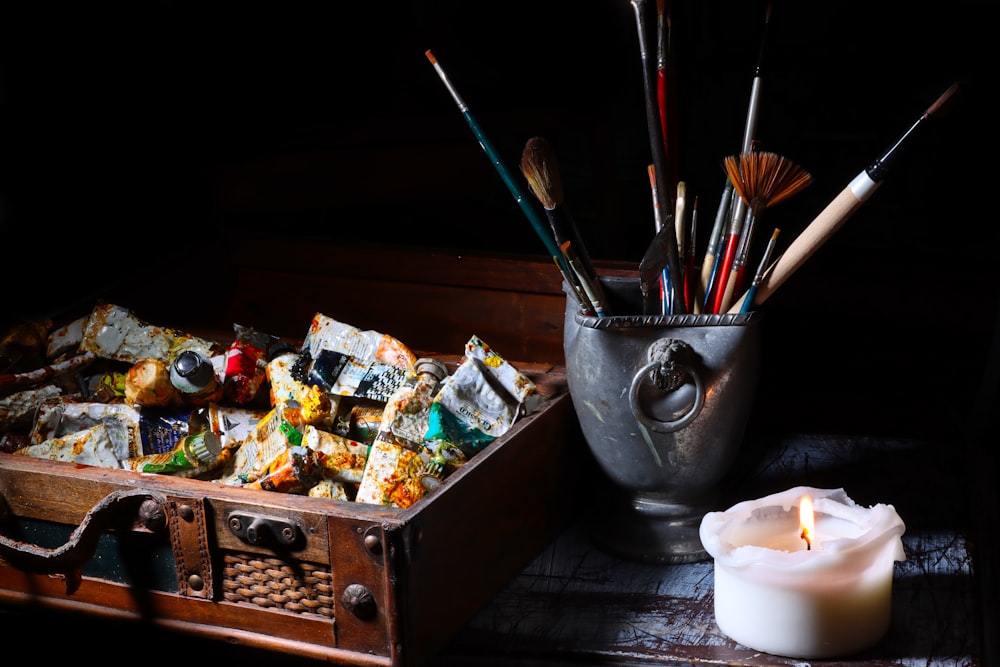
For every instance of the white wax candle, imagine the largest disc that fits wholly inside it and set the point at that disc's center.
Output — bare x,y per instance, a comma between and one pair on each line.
773,594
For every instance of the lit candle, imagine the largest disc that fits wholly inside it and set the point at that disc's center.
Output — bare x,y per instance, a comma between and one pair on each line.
805,573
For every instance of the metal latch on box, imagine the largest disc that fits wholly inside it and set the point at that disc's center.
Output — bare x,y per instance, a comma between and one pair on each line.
264,530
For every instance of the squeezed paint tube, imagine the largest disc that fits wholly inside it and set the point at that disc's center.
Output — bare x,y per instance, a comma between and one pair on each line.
246,365
19,408
284,373
282,427
345,361
92,446
294,470
114,332
343,459
481,400
392,472
195,454
140,431
234,425
195,378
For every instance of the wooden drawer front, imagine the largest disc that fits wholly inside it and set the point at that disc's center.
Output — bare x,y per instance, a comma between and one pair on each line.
352,584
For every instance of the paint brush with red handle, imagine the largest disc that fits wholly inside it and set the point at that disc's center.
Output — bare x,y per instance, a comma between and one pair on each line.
655,131
761,179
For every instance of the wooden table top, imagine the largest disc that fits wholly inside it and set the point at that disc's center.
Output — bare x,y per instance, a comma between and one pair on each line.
577,604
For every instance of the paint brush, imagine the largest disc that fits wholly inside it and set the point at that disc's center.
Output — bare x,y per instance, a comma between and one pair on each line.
508,179
541,169
844,205
651,266
666,90
753,111
761,179
713,251
680,213
746,304
664,281
738,275
692,281
739,207
655,132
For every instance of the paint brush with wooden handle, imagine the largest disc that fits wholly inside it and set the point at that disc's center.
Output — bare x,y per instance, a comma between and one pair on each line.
838,211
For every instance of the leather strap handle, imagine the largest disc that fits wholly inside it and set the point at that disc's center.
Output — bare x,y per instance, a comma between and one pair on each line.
127,508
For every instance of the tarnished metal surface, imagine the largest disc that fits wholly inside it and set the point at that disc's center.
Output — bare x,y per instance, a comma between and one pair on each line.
663,402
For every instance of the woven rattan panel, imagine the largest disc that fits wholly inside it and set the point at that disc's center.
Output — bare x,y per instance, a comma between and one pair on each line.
299,587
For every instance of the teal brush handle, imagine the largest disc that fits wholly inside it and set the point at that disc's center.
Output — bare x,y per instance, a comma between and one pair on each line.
541,228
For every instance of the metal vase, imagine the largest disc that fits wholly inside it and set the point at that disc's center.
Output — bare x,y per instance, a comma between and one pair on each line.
663,402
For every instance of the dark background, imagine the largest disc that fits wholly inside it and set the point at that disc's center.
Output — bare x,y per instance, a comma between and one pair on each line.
135,139
123,118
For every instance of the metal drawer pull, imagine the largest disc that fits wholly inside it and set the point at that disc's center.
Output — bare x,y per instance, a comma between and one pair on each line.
264,530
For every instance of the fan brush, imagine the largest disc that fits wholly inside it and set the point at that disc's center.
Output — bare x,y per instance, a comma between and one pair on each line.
761,179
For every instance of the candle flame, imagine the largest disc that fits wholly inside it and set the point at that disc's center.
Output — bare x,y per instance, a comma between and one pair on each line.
807,520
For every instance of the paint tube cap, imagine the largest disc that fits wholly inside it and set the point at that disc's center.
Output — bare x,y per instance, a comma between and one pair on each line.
191,372
205,445
432,367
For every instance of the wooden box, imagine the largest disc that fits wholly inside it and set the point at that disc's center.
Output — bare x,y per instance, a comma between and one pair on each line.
354,583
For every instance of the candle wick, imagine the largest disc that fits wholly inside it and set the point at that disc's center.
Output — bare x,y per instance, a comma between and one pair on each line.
805,536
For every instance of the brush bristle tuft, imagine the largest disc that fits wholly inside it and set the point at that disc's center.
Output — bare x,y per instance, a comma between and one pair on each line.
540,168
763,179
943,99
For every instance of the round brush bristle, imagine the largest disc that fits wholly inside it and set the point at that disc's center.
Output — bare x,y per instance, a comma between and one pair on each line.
540,168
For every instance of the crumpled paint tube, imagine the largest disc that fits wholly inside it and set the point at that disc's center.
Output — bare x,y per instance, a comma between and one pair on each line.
113,332
343,459
481,400
346,361
295,470
140,431
20,407
245,364
92,446
282,427
195,454
392,475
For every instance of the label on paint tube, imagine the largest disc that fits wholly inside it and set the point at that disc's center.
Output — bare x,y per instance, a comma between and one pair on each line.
281,428
346,361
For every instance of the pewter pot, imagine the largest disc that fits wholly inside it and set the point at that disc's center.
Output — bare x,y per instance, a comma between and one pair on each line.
663,402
